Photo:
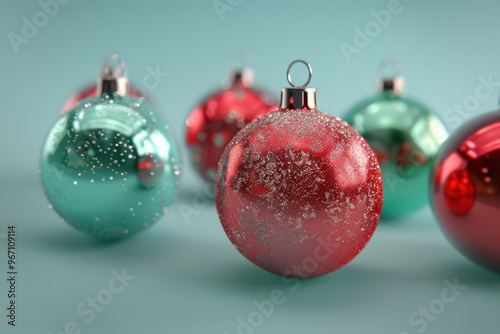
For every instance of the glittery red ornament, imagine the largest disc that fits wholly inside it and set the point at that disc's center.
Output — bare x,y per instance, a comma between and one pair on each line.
465,189
299,192
212,125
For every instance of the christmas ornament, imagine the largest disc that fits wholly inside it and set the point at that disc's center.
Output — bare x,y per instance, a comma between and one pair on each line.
90,91
465,189
405,136
212,125
299,192
110,166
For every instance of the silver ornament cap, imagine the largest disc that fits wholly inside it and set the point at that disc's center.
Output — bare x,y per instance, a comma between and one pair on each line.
242,78
394,83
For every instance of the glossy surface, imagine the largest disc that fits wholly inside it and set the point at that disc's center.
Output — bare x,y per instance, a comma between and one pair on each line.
110,167
212,125
299,192
405,137
87,92
465,195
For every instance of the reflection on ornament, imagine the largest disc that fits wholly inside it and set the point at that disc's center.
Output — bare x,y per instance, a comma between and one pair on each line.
460,192
149,169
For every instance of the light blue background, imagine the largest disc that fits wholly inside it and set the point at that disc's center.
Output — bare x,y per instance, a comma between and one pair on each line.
189,278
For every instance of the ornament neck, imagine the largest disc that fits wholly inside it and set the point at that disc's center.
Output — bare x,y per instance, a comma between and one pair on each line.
393,86
390,83
242,78
112,79
298,98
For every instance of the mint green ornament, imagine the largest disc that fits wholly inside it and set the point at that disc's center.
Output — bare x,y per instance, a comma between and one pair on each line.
405,136
110,167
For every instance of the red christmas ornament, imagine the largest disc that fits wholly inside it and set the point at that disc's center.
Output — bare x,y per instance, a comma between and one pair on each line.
465,192
212,125
299,192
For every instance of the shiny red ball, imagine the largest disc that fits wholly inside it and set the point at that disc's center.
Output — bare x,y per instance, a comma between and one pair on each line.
299,192
76,98
465,190
212,125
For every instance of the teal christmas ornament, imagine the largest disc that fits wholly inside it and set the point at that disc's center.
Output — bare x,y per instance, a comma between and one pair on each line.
110,167
405,136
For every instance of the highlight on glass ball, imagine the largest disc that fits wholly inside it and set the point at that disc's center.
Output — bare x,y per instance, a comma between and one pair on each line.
405,136
465,190
212,124
110,167
299,192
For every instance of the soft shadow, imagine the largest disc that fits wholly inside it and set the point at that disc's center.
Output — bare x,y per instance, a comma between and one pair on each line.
68,240
472,273
417,266
198,194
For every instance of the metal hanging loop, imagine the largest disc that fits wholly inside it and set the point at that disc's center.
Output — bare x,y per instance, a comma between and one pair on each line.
289,77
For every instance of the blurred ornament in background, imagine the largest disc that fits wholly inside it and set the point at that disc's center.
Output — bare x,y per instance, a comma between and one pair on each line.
465,189
405,136
299,192
212,125
110,167
91,91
